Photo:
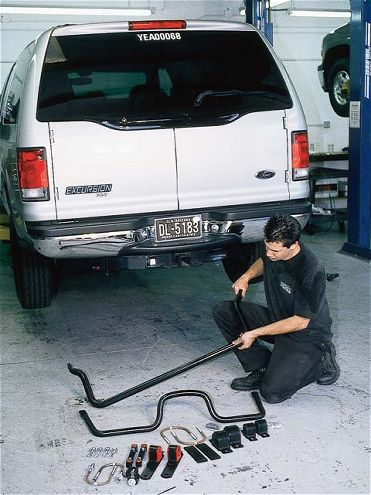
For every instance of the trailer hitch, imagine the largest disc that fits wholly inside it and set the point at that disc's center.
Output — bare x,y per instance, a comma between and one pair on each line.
160,378
160,413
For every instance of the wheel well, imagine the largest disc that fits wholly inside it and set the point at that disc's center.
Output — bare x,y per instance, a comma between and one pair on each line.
332,55
4,196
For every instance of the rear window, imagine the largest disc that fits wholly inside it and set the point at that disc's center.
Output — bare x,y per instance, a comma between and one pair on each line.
183,78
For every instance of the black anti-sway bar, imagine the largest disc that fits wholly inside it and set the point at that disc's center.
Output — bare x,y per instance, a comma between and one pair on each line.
147,384
160,413
160,378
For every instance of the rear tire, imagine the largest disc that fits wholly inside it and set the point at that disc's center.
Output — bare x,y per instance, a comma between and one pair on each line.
33,275
240,258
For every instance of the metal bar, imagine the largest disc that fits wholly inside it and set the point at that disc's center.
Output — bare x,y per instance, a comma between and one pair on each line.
158,379
149,383
236,305
160,411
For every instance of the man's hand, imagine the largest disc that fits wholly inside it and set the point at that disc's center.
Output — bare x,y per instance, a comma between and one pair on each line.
246,340
241,284
255,270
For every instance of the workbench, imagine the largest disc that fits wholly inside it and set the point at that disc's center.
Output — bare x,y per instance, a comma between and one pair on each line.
331,166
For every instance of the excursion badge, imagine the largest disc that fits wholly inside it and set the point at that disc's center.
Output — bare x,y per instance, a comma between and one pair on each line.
88,189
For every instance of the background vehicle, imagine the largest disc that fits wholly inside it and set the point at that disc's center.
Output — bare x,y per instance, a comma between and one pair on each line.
147,145
334,70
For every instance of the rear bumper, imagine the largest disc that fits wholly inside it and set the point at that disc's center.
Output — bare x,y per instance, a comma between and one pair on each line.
131,235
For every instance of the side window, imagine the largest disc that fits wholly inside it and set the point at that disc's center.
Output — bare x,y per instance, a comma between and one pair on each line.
10,104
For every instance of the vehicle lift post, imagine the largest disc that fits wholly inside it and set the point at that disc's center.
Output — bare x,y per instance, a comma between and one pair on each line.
359,175
257,14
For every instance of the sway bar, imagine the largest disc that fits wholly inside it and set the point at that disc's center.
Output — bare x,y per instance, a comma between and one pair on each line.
160,413
100,403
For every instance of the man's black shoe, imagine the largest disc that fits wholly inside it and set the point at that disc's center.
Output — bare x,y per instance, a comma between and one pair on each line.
250,382
330,370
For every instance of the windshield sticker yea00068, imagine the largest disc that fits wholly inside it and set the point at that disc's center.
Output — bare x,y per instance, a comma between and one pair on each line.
159,36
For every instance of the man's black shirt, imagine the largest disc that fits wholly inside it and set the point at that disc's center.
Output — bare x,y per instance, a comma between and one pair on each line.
297,286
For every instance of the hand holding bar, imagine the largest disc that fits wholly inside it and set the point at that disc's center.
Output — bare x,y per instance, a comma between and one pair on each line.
158,379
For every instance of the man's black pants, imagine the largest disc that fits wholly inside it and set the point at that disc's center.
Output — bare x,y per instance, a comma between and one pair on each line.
292,364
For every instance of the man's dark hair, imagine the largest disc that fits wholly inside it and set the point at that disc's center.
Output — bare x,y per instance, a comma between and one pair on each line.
282,228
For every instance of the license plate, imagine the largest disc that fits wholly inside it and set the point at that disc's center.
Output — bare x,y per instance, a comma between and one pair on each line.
171,229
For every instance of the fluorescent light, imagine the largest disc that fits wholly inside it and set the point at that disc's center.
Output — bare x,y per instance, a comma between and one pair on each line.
273,3
319,13
74,11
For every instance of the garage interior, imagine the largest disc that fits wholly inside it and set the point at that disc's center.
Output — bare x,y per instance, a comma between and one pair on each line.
126,328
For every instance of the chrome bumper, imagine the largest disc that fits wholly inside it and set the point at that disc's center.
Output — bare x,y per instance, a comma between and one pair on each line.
142,241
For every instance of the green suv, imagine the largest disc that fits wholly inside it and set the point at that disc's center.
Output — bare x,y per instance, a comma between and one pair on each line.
334,71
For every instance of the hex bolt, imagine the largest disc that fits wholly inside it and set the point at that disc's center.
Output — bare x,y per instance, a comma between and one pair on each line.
98,451
106,451
91,452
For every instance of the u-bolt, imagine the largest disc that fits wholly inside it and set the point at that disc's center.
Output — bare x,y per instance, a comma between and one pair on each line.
158,379
94,481
172,429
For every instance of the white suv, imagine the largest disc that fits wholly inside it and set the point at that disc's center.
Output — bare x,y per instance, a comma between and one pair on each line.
147,144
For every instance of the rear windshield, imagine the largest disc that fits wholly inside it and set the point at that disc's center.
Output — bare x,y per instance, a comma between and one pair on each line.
159,78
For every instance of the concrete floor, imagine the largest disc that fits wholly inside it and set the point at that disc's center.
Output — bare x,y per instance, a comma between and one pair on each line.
127,328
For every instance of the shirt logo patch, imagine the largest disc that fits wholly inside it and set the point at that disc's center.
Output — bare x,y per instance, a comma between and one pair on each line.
285,287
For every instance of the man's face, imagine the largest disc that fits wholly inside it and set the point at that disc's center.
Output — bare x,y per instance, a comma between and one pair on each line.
277,252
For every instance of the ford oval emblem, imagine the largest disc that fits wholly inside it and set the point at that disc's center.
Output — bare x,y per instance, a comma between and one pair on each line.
265,174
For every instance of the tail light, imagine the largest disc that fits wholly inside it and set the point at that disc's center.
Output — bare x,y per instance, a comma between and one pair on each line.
149,25
33,174
300,155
